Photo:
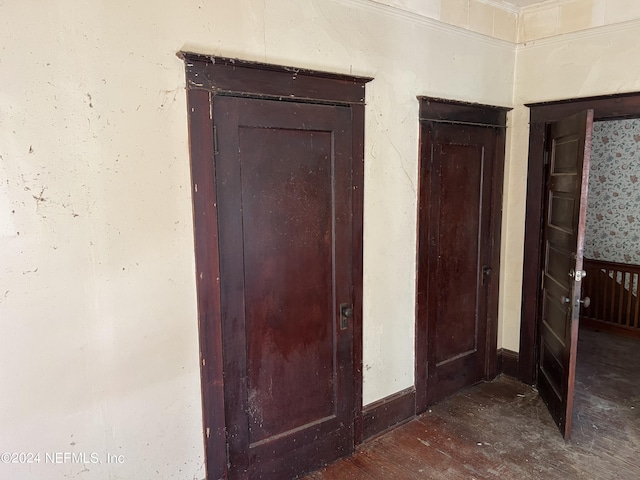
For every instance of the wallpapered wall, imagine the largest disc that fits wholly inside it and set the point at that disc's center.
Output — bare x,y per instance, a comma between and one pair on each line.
613,213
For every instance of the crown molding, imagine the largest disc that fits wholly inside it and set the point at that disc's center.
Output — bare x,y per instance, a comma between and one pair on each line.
503,5
543,6
396,12
507,6
580,34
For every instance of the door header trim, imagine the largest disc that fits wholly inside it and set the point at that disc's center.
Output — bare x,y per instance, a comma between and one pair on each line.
242,78
442,110
605,107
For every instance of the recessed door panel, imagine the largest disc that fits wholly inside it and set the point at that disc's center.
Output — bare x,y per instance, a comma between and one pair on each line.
460,169
565,149
290,321
562,212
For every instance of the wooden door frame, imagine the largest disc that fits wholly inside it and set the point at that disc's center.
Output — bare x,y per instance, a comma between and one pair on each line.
434,111
207,76
608,107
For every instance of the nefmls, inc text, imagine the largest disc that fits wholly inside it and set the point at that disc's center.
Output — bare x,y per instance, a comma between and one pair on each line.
59,458
82,457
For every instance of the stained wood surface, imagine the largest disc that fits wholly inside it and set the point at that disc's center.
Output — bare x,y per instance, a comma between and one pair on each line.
455,257
241,78
207,278
461,174
508,362
209,78
502,429
532,260
613,290
453,111
388,413
564,228
606,107
609,107
284,203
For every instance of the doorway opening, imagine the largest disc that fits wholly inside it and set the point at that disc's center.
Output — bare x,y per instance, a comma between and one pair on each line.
612,252
617,107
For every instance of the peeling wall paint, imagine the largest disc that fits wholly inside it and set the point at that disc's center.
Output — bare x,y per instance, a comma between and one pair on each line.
97,283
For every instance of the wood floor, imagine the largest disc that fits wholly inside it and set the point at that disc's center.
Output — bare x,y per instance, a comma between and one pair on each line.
502,429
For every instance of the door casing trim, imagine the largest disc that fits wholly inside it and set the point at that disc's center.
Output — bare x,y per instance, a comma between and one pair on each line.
438,110
207,76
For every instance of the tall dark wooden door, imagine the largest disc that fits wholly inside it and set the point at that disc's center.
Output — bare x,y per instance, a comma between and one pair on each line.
277,162
568,153
285,222
458,248
458,257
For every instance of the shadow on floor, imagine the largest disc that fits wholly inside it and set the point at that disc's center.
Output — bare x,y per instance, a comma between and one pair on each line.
502,429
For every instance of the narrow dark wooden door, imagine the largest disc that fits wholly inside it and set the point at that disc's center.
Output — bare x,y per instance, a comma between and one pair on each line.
284,188
457,168
568,150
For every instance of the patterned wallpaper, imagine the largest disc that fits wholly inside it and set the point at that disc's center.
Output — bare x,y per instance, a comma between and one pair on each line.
613,213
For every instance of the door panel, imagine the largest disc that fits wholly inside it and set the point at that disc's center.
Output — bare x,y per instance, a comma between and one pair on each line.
459,170
286,213
569,149
284,202
459,183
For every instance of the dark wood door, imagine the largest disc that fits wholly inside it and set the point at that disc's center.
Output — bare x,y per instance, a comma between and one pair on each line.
568,150
284,186
457,164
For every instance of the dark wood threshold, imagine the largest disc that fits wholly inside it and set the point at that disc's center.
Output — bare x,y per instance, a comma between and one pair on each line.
388,412
600,326
508,362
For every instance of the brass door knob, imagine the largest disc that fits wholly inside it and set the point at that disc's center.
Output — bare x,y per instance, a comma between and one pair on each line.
586,301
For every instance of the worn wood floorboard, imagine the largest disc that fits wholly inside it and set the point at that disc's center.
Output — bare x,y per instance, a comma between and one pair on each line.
502,429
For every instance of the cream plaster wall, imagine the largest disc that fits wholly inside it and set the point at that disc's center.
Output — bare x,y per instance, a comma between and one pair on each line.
557,17
599,61
98,345
492,18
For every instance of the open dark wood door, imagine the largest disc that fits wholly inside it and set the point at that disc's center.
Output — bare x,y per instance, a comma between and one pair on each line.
568,150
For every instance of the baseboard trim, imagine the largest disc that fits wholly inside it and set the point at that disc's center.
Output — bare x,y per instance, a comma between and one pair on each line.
608,327
508,362
388,412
